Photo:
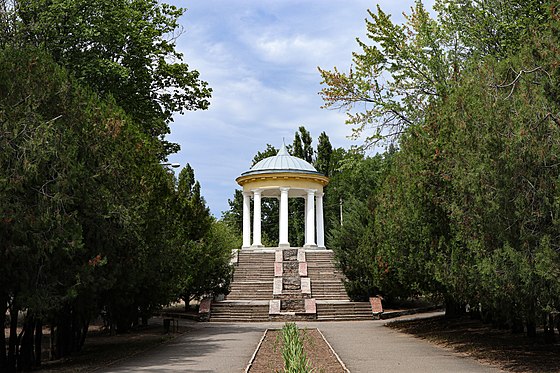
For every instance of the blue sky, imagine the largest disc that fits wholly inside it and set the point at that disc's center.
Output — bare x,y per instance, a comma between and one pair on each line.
260,57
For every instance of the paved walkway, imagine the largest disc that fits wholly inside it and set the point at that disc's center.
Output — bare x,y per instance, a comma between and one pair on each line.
364,346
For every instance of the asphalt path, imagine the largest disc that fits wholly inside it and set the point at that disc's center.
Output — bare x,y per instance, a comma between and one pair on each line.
363,346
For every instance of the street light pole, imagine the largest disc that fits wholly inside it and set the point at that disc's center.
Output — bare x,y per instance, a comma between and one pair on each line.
174,165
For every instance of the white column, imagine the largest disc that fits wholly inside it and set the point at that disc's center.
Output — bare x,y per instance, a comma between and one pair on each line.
305,218
320,221
283,241
257,218
310,219
246,219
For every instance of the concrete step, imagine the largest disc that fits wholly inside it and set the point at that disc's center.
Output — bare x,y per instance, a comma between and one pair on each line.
255,278
252,297
256,290
329,297
234,312
344,311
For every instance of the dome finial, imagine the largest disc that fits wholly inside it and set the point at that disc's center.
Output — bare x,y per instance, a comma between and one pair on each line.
283,150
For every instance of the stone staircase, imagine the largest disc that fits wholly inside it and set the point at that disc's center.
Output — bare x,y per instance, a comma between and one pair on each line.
326,279
232,311
345,310
287,284
253,277
250,290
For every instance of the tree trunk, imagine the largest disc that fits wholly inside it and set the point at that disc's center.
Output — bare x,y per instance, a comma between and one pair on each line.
76,334
517,326
64,335
52,345
453,308
82,340
487,317
531,328
26,359
531,318
3,309
38,342
549,328
13,340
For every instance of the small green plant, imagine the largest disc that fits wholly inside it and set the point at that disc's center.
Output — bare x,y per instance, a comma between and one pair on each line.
295,359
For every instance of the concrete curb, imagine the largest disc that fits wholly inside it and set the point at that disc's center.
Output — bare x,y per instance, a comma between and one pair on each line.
392,315
178,315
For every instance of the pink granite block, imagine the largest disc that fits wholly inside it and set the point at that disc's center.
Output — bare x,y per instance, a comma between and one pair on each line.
205,305
303,269
310,306
301,255
305,285
274,307
278,269
279,256
277,286
376,306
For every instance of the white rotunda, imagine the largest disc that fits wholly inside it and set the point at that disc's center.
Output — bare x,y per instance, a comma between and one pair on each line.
283,176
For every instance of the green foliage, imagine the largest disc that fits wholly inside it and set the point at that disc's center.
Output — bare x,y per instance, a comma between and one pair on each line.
323,162
401,73
492,27
124,49
90,222
295,358
206,263
194,216
205,245
403,70
410,225
469,208
353,238
72,214
233,217
504,187
354,247
301,146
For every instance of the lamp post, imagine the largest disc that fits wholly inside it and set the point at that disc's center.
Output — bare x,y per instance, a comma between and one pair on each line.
173,165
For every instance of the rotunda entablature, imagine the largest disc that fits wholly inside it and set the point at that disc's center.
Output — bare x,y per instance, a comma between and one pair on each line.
271,183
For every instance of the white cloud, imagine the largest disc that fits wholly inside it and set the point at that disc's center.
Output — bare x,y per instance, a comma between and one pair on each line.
293,49
261,58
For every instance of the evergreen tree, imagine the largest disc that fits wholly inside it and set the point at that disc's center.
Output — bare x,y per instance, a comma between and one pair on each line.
323,162
467,211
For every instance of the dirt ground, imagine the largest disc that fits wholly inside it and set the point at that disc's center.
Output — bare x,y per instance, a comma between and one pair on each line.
511,352
269,357
101,349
